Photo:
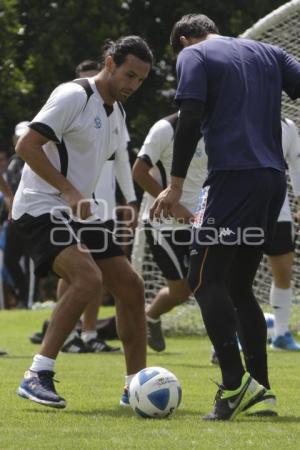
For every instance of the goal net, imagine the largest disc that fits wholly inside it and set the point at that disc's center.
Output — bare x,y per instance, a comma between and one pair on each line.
281,27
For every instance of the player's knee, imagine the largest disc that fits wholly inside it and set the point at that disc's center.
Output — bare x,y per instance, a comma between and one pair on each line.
89,284
180,294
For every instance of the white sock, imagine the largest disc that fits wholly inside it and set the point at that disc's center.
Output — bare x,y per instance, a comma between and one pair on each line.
41,362
281,301
128,379
86,336
151,320
71,336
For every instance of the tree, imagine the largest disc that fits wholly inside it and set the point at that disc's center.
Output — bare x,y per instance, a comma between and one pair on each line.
42,42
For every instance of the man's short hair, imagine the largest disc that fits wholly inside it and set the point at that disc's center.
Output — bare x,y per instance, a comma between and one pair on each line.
191,26
86,66
127,45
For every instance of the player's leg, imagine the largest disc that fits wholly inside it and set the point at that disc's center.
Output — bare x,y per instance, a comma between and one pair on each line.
53,244
253,339
208,280
170,251
128,290
88,342
73,343
175,293
89,333
84,282
280,253
208,277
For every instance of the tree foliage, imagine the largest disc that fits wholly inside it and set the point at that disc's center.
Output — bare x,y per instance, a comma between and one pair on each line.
42,42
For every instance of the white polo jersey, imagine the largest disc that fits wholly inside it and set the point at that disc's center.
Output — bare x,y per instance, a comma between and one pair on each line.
291,151
158,146
83,133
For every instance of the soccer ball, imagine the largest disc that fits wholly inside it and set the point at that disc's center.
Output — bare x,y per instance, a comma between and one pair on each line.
154,392
270,320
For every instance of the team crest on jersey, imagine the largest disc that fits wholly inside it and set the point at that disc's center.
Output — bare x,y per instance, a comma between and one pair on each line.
201,207
97,122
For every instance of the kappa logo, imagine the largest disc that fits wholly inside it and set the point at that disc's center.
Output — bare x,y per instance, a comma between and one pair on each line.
97,122
226,232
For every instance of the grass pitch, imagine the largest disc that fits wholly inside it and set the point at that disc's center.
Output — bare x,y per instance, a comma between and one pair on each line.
92,385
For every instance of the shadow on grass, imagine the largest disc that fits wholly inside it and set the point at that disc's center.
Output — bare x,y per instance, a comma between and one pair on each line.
121,412
273,419
194,366
183,413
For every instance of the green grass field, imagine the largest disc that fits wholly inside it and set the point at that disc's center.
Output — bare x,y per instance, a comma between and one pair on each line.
92,385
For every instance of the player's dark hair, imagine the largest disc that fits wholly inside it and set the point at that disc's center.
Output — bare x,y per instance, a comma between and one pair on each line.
127,45
191,25
86,65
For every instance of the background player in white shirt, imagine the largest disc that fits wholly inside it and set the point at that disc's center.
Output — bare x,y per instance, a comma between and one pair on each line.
77,130
280,250
170,241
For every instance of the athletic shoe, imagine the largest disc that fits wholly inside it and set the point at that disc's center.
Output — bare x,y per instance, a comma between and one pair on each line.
97,345
229,403
37,338
125,397
285,342
263,406
75,345
39,387
156,339
3,353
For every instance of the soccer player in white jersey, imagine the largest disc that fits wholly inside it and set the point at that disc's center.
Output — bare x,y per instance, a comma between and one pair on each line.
105,193
77,130
280,250
168,241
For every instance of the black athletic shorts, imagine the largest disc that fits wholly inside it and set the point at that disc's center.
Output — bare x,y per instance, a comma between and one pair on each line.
239,207
170,250
283,240
45,237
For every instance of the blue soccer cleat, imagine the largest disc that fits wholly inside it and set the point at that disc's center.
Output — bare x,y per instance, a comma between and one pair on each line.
285,342
39,387
125,397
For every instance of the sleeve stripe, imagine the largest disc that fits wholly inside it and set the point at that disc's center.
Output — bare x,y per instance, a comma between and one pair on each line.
44,130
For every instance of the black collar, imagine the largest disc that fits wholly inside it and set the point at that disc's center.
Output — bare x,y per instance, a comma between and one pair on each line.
108,109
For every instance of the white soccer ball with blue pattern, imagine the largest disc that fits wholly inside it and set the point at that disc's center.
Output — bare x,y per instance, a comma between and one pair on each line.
154,392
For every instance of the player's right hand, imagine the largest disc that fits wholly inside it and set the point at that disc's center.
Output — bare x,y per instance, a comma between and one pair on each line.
80,206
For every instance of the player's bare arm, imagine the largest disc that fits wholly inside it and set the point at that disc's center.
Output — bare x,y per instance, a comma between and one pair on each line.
29,148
